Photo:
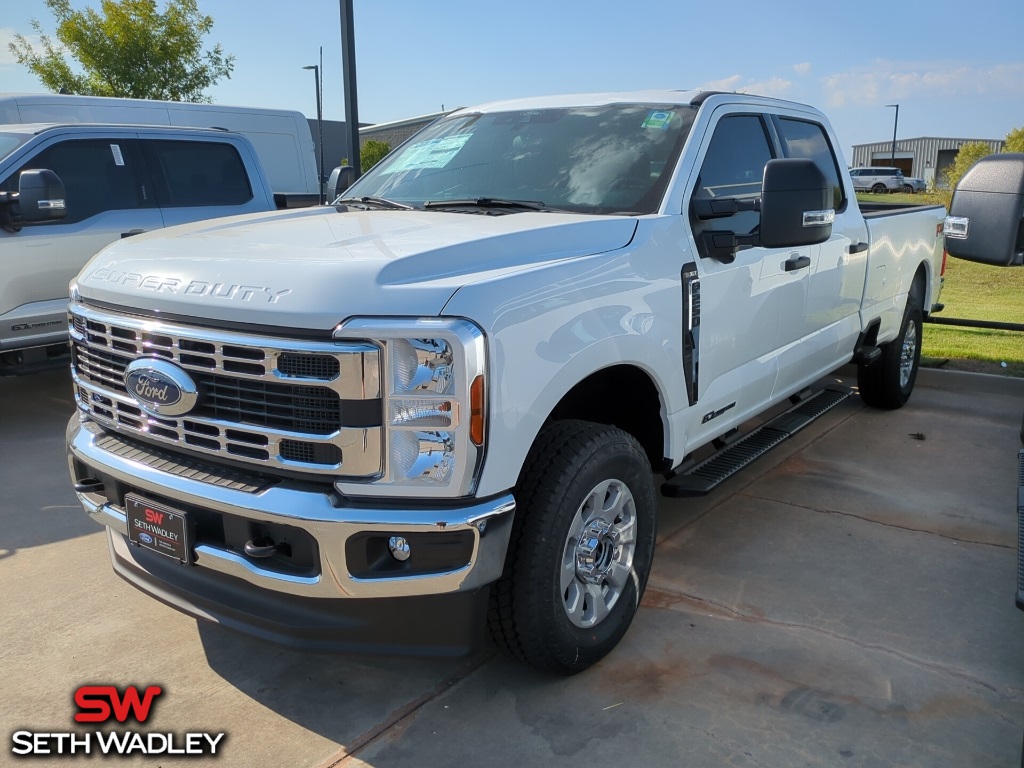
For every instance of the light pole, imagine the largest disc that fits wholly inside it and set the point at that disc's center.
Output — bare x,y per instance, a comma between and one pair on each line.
319,125
348,62
895,123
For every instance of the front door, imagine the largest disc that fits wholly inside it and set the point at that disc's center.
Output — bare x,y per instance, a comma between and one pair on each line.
751,306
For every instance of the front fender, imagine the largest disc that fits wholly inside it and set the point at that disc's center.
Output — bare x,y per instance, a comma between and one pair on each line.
550,328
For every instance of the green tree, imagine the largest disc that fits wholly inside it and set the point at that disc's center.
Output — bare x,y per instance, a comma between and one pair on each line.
371,153
970,153
128,48
1015,141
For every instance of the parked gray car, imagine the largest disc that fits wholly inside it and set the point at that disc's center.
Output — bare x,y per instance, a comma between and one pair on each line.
877,180
912,184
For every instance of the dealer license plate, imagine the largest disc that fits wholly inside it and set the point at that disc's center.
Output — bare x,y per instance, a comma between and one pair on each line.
158,528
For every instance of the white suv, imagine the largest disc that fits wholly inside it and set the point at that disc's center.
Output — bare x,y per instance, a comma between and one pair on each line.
877,180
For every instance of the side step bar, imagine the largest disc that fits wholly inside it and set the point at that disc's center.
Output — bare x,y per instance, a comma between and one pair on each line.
704,477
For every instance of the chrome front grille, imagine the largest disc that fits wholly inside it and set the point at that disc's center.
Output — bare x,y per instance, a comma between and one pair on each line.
309,406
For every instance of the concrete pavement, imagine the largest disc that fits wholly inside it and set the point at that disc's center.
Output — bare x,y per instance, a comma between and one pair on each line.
846,600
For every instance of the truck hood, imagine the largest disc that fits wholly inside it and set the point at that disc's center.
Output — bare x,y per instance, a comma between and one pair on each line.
312,268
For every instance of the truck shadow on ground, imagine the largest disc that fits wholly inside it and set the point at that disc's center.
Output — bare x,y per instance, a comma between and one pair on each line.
38,505
347,699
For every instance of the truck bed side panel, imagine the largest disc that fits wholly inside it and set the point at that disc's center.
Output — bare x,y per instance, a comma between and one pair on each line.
902,241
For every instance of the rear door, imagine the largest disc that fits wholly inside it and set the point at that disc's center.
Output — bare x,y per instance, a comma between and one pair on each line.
837,270
197,178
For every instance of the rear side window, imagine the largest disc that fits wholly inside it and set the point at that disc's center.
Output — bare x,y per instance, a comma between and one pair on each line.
99,175
199,173
801,138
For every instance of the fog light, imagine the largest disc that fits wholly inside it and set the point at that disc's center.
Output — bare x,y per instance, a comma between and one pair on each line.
399,548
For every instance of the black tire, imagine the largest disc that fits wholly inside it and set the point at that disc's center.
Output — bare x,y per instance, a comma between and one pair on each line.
879,189
907,189
888,382
539,607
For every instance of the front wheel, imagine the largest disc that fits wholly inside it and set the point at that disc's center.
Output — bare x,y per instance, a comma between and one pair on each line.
879,189
907,189
888,382
581,548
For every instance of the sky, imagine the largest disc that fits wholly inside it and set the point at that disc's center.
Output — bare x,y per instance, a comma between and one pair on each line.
956,70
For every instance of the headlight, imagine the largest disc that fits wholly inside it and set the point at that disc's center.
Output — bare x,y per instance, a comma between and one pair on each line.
433,380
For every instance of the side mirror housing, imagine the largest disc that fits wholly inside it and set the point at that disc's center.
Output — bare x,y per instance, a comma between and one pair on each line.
796,204
41,196
986,218
342,177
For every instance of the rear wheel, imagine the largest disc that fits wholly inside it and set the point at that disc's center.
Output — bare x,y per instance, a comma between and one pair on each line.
581,548
888,382
907,188
879,189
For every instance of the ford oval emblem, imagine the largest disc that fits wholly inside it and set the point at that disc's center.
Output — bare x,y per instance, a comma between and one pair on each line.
160,387
145,538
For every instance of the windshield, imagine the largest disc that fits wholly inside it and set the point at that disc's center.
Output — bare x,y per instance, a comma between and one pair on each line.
608,159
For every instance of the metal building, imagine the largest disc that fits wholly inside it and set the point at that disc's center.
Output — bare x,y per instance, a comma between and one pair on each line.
396,132
925,158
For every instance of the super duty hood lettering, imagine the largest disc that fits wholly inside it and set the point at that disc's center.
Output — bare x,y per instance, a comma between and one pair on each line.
173,285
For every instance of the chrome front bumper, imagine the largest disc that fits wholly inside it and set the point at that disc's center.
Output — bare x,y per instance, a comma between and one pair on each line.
330,524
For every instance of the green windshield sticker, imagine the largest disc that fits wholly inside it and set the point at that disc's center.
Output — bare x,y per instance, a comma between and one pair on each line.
434,153
658,120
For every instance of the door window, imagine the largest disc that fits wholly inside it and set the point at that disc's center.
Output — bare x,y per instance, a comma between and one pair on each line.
733,167
199,173
98,175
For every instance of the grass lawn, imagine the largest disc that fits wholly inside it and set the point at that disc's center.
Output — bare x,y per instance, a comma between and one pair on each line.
973,292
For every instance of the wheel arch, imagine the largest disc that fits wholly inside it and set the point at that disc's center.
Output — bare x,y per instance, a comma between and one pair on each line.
638,410
920,285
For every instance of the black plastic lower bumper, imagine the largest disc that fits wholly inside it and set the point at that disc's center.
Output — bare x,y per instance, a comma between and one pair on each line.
430,625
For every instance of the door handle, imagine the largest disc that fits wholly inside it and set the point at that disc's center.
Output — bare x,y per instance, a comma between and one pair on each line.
792,265
131,232
856,248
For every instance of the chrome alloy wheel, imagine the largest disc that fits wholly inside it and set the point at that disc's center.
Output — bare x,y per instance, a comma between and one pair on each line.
597,560
908,353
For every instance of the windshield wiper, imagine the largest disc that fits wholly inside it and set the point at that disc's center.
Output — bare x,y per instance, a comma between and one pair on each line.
488,202
374,202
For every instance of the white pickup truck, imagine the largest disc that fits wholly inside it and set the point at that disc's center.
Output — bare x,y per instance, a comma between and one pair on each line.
443,401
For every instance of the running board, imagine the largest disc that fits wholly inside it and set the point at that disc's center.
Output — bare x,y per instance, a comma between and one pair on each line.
704,477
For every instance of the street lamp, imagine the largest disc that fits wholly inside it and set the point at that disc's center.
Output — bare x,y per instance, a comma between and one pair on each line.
319,125
895,122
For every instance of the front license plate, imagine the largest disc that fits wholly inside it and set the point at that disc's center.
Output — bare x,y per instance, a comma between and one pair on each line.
155,527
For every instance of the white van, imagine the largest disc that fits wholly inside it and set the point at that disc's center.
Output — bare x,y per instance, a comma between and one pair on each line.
282,138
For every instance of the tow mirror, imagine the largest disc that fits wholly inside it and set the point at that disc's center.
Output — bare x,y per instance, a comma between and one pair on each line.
986,218
342,177
796,204
40,196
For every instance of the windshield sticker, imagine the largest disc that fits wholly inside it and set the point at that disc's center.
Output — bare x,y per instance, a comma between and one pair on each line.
434,153
658,120
115,150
